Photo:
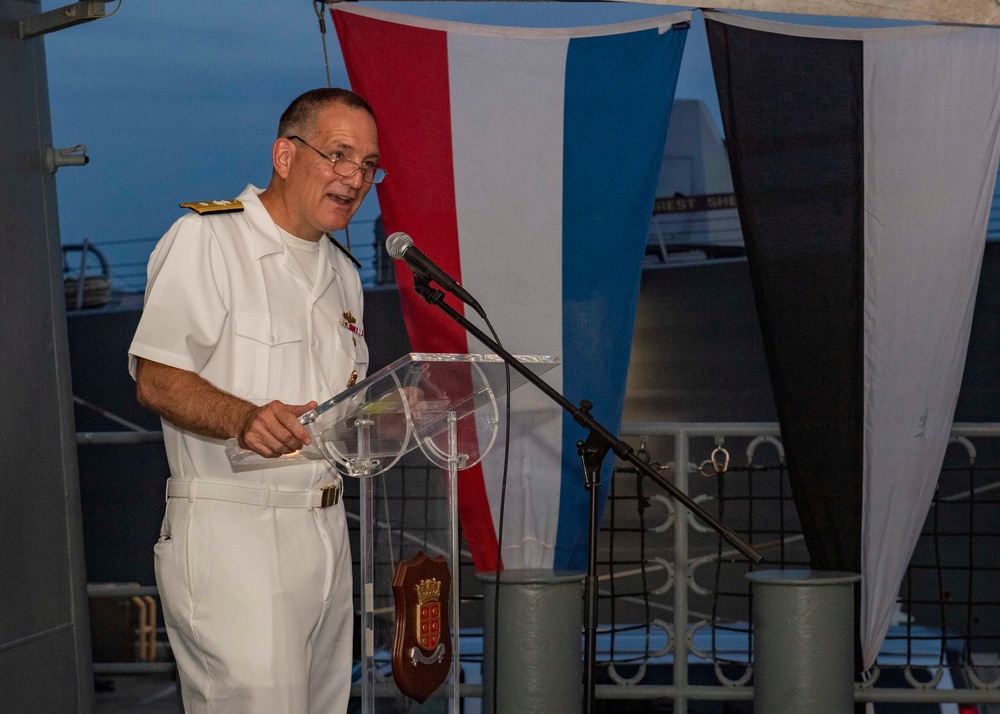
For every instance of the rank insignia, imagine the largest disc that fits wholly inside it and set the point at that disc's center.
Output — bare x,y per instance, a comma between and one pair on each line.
421,651
203,207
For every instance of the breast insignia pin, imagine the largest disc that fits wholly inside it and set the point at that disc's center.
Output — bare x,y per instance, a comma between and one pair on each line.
350,322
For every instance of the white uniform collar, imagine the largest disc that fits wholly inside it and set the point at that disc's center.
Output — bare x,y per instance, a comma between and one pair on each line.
268,240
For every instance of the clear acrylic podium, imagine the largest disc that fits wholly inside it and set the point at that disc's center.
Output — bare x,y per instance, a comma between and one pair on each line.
445,405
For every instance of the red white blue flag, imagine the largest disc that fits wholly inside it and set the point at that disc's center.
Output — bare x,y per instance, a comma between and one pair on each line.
524,162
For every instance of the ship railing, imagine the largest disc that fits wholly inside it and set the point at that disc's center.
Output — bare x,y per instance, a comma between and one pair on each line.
659,640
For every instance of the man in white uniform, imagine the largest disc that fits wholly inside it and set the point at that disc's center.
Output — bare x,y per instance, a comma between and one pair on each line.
252,316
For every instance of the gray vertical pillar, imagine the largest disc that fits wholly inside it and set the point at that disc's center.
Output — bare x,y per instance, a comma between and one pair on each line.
45,663
540,651
803,623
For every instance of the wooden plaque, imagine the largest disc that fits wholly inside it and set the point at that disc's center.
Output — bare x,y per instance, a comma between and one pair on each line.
421,651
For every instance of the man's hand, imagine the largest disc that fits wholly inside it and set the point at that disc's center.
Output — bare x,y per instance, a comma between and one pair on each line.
187,401
415,402
274,430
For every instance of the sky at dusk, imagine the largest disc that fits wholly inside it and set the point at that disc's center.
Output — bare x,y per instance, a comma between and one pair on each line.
179,101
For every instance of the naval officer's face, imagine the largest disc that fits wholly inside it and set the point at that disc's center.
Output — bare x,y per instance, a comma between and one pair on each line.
324,199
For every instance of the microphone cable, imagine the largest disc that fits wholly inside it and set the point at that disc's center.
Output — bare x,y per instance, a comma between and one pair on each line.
397,246
503,503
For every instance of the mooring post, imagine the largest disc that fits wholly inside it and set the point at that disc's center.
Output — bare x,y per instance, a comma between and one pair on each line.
539,655
803,623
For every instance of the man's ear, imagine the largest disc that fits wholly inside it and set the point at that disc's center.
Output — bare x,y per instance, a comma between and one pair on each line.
281,156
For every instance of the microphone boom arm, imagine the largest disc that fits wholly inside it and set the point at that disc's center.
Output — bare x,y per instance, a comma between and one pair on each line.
600,439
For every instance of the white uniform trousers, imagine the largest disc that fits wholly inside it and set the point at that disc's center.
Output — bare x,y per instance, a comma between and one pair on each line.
258,606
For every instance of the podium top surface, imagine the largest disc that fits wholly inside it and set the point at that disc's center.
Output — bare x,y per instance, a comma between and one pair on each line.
440,376
446,404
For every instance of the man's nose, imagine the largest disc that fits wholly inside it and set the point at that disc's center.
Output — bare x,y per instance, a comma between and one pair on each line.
356,179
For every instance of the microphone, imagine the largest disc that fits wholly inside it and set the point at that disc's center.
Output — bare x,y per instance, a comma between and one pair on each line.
400,246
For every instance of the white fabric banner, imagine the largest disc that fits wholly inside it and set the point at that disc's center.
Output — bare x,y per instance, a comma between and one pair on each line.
932,113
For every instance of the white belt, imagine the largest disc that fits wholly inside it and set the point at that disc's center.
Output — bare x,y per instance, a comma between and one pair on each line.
263,496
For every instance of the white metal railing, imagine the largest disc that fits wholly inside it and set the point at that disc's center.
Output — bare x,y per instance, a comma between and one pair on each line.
681,633
681,636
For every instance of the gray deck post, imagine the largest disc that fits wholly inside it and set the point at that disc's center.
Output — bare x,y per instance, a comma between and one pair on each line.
803,641
539,658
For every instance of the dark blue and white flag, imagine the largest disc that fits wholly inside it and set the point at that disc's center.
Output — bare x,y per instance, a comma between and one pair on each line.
863,163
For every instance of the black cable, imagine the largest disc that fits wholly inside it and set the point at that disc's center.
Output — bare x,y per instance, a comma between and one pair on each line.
940,574
612,510
970,578
503,503
720,496
642,505
318,7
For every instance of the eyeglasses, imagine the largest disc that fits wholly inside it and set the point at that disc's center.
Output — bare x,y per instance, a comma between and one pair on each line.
345,167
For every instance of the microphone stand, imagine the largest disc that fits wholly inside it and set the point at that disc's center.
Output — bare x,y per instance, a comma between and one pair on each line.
592,452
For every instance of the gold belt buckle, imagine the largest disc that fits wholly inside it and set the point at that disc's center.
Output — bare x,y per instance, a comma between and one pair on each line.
331,495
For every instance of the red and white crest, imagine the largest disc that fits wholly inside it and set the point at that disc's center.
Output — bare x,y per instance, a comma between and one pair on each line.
421,651
428,623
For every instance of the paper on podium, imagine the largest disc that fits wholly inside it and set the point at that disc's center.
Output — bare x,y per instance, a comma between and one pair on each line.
405,405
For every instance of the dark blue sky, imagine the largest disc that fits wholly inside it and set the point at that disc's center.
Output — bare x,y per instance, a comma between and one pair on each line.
179,101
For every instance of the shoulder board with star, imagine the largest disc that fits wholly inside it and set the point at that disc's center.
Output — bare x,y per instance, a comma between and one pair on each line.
219,206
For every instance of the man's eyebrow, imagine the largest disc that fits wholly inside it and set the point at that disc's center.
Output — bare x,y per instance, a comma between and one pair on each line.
343,146
337,146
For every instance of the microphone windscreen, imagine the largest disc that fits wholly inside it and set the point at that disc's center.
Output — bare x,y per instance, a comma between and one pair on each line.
397,243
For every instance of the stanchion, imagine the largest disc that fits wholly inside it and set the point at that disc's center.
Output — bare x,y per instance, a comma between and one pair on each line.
539,658
803,624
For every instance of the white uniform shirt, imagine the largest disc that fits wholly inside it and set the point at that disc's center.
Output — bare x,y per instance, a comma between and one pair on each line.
226,300
305,252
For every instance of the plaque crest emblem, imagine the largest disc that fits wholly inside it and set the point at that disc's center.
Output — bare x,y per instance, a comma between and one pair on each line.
428,624
421,651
